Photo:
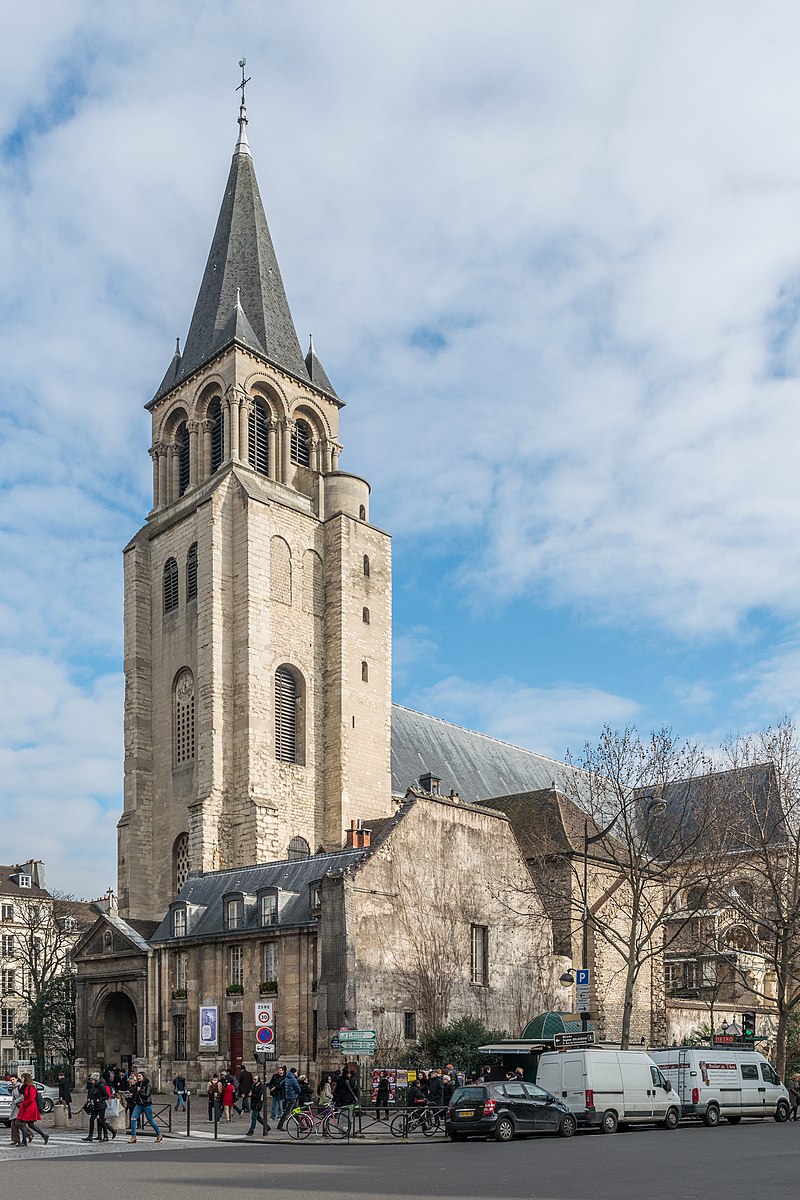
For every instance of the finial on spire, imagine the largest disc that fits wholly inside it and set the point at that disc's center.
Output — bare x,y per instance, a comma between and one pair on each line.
311,343
178,346
242,146
238,297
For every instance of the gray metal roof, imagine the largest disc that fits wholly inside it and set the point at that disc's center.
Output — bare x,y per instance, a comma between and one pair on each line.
317,373
127,930
241,257
477,766
293,879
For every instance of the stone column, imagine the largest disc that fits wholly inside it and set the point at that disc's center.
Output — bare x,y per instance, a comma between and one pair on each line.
205,459
314,455
335,452
163,476
153,452
175,471
226,431
272,449
326,457
233,422
286,456
193,428
245,407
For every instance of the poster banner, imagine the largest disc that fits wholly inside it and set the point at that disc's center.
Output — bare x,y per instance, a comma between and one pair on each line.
209,1036
392,1073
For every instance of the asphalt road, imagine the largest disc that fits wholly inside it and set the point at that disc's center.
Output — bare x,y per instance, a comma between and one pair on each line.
757,1159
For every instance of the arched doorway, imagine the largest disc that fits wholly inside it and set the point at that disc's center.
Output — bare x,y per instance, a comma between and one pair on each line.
119,1030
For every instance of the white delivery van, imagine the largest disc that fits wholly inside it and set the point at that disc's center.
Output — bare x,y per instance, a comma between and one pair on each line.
606,1087
722,1081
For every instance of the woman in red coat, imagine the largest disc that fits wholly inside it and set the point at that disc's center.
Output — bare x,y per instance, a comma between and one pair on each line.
228,1092
29,1110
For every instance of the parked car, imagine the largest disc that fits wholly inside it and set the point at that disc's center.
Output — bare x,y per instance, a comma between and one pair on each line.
46,1095
724,1081
5,1104
502,1110
604,1088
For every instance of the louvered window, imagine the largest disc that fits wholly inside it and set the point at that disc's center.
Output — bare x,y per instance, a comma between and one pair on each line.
217,447
191,572
184,718
285,715
182,441
258,447
170,585
301,444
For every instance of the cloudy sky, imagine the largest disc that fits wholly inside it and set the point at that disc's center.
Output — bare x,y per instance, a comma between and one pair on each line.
550,255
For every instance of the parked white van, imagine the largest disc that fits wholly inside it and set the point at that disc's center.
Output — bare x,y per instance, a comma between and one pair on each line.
606,1087
722,1081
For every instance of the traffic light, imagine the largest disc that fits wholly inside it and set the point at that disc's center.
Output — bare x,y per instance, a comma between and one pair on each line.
749,1026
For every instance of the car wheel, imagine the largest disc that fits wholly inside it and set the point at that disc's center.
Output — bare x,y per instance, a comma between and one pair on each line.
568,1125
504,1131
671,1118
733,1120
711,1116
782,1111
609,1122
47,1105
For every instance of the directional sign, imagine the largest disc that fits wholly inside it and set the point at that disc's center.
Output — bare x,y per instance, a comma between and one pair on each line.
265,1036
357,1035
265,1014
583,999
366,1048
582,977
565,1041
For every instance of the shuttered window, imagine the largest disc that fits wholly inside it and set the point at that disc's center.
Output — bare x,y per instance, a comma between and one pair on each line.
285,715
182,441
301,444
258,441
217,448
191,572
170,585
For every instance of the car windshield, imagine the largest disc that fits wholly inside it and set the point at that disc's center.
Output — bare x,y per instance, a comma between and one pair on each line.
467,1093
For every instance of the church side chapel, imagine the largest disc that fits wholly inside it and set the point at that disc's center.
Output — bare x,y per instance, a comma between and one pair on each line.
289,837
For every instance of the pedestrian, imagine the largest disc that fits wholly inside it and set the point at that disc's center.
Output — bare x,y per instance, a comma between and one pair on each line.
434,1089
447,1090
97,1097
794,1096
325,1094
214,1091
256,1106
179,1087
65,1093
382,1096
142,1105
227,1097
291,1092
416,1097
275,1088
19,1134
245,1085
347,1095
29,1111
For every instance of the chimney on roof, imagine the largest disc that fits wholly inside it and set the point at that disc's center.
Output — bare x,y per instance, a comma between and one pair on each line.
357,837
430,784
454,796
35,868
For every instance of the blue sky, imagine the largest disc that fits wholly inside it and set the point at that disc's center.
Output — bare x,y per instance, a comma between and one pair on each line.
550,255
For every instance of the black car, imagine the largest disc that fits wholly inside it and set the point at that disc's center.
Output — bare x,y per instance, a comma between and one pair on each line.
501,1110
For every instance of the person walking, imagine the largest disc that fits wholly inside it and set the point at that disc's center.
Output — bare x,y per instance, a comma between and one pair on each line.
179,1086
256,1106
448,1087
19,1134
65,1093
291,1090
29,1111
97,1097
382,1096
227,1098
434,1089
214,1091
245,1086
276,1092
142,1100
794,1096
325,1101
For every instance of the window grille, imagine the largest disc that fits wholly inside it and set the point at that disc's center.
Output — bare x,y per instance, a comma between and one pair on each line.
217,435
7,945
270,963
182,442
179,1021
7,1022
237,965
7,912
184,718
285,715
479,946
170,585
258,442
301,444
191,572
179,922
269,911
366,565
299,848
180,861
410,1026
234,914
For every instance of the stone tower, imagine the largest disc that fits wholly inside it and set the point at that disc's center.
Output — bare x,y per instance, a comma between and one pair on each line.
257,595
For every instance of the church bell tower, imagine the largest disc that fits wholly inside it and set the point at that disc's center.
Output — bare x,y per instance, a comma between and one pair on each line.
257,594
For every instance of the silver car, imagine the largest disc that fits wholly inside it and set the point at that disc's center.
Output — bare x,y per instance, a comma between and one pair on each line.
5,1104
46,1096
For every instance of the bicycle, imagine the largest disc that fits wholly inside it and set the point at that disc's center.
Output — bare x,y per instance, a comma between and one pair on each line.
425,1120
304,1121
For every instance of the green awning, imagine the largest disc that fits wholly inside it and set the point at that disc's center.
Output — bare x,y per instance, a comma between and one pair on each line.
542,1028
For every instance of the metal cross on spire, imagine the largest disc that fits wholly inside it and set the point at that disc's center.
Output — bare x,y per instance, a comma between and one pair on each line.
240,88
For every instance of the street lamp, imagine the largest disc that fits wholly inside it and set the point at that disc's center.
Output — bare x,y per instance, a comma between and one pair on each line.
654,807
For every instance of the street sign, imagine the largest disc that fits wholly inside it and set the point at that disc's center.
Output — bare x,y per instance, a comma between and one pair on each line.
265,1035
724,1038
366,1048
357,1035
582,977
583,999
265,1014
567,1041
335,1043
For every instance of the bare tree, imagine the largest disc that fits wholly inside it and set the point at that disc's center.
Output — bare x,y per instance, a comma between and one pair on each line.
431,962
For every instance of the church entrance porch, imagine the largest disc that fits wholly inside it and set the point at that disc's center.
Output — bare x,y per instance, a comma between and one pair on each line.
119,1035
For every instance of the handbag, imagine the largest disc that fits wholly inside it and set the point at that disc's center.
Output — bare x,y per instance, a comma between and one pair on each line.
88,1108
112,1108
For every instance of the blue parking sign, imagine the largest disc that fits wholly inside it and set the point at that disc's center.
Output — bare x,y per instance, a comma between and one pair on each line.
582,977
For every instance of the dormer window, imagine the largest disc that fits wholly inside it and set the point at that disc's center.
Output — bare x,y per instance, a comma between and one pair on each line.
179,922
315,895
69,924
233,912
24,881
268,907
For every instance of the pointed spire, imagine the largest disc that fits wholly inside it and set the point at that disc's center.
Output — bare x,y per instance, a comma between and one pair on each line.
316,371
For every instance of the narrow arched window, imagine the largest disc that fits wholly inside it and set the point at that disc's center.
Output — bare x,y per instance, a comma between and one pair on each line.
184,718
180,862
301,443
365,615
285,715
258,441
182,442
170,585
364,673
217,438
299,848
191,572
366,565
362,512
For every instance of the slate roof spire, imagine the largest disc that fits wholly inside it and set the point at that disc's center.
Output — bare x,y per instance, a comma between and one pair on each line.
241,295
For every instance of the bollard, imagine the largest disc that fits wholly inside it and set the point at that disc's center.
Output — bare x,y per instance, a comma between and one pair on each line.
60,1119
